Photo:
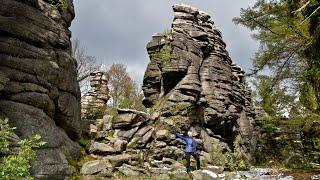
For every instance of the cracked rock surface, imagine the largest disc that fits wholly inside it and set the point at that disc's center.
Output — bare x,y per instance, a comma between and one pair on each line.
198,86
41,95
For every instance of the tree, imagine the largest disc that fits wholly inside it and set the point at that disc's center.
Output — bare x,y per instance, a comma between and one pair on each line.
273,99
288,32
85,65
124,92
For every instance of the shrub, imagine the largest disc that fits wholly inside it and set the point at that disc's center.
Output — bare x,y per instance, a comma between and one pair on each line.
167,32
17,165
166,53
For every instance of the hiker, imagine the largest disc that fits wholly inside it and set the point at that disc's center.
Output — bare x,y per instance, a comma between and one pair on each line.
191,149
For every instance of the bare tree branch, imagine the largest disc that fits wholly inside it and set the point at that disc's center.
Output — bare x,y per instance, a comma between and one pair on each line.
85,64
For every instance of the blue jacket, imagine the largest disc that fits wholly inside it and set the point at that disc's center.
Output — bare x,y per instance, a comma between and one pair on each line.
191,143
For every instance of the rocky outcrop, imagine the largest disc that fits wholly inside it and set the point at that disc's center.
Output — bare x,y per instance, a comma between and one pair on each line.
192,81
94,102
190,84
41,95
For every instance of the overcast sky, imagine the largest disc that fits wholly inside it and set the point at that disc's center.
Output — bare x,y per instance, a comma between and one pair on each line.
118,30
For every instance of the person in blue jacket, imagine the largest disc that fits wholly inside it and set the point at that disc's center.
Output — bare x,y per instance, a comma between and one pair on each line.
191,149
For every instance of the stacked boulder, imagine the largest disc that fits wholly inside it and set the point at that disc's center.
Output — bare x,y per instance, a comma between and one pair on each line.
39,89
192,81
94,102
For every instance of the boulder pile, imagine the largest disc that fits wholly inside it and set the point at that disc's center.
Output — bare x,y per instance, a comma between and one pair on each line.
130,143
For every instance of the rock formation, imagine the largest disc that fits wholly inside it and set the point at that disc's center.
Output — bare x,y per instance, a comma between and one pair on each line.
190,83
192,74
41,94
95,100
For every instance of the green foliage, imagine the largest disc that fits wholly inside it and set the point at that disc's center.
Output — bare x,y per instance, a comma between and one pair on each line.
232,160
84,142
166,53
157,104
123,90
181,107
289,41
280,145
5,132
17,165
95,112
59,3
112,111
167,32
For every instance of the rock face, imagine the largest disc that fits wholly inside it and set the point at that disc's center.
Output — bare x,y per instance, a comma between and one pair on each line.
41,94
192,81
95,100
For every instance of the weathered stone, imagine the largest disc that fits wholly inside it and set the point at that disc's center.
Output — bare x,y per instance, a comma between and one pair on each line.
162,134
128,170
200,73
160,170
107,122
204,174
160,144
129,118
96,166
118,160
119,145
127,134
101,148
215,169
94,102
42,95
185,8
93,130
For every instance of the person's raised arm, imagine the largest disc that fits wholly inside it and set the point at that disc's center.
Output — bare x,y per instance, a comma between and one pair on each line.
180,136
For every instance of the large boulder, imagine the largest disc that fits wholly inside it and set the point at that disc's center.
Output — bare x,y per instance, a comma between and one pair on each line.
41,94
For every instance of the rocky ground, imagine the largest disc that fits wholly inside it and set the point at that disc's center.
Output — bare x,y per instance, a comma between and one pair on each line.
216,173
127,148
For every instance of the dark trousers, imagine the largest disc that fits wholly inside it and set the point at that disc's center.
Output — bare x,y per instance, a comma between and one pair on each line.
196,157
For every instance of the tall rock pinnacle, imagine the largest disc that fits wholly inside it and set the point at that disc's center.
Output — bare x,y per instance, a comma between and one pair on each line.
42,95
192,74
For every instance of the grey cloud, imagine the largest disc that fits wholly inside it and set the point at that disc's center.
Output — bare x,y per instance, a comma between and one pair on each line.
118,30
